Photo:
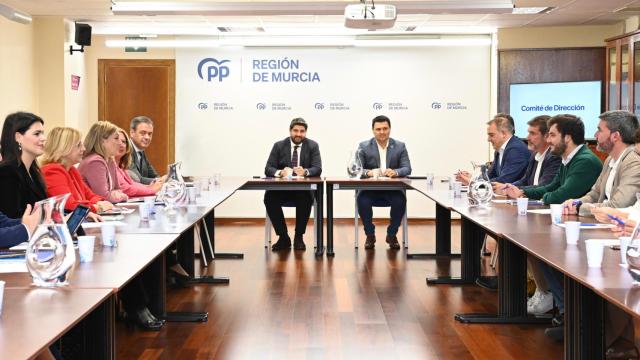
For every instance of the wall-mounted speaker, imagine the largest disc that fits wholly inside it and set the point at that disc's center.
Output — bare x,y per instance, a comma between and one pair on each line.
83,34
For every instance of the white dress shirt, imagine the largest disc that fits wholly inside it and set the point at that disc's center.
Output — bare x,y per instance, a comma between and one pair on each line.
539,158
306,172
383,156
612,174
571,155
501,150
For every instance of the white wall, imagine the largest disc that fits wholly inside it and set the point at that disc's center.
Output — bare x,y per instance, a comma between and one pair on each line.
237,142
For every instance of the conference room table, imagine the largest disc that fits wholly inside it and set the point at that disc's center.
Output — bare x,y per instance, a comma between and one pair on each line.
33,318
586,289
313,184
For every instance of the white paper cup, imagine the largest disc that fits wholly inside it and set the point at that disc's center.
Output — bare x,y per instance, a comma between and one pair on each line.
217,179
108,234
523,203
1,295
145,210
572,231
198,186
624,244
430,177
457,189
595,253
556,213
451,180
85,247
191,193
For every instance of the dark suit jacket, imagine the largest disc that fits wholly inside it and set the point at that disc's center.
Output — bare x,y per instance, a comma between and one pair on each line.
397,156
280,157
17,189
12,232
143,174
550,166
514,162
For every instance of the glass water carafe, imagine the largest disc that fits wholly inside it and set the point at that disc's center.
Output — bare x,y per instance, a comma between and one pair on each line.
354,166
174,189
480,190
50,254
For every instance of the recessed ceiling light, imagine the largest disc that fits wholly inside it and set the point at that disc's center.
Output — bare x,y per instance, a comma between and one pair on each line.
532,10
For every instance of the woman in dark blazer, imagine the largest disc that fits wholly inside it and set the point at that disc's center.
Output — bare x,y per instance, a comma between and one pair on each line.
21,182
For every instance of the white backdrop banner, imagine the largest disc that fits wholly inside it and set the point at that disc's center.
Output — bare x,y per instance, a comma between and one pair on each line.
232,104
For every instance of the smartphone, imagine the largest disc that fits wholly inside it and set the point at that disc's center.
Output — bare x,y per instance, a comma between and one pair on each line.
77,217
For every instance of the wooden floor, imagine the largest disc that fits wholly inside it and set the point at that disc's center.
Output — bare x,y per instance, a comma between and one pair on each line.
358,305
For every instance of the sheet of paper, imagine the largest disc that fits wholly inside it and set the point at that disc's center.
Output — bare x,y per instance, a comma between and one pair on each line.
94,225
607,242
21,246
501,201
587,226
7,266
540,211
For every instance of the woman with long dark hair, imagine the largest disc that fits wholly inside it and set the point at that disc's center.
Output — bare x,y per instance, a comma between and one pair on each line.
21,182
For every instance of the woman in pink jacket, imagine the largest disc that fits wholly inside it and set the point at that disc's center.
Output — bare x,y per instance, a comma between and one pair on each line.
123,160
98,168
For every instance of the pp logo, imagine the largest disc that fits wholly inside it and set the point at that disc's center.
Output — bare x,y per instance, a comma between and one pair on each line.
319,106
215,69
261,106
436,105
202,106
377,106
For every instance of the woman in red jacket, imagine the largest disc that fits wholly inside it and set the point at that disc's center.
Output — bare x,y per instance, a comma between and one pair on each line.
63,150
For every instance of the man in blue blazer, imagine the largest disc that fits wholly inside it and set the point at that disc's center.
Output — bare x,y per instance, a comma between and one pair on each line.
294,156
383,156
511,155
16,231
543,165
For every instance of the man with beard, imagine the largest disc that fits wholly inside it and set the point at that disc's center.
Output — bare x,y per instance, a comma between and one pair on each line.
580,166
619,180
294,156
579,171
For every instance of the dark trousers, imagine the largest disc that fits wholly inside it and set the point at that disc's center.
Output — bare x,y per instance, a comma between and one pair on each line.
134,295
368,199
555,280
302,200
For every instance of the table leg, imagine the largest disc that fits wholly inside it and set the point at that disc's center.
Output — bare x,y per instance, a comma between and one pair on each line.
583,321
319,193
330,220
512,289
471,240
186,255
443,236
209,228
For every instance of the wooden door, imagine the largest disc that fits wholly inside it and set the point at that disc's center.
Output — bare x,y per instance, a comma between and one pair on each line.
129,88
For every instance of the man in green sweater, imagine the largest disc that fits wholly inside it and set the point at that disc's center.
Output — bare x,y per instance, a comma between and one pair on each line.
580,166
579,171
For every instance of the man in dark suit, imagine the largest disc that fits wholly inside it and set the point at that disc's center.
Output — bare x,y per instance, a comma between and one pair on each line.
383,156
543,167
294,156
16,231
511,155
141,133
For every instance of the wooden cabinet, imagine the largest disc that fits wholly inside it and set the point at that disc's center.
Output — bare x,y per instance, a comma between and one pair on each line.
623,73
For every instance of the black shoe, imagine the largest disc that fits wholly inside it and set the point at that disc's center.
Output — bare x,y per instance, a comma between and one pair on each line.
298,243
370,243
177,280
556,333
283,243
488,282
622,349
392,240
145,320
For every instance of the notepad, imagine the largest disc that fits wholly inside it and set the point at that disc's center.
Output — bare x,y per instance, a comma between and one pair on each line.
540,211
95,225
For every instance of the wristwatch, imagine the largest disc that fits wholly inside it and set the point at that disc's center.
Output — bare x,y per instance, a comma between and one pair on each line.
306,172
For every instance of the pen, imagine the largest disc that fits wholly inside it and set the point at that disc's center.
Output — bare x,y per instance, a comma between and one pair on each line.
576,202
616,219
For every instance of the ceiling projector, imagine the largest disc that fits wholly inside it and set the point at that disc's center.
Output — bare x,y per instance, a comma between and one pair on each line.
363,16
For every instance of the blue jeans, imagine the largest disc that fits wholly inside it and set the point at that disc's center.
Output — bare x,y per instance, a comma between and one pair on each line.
555,280
367,199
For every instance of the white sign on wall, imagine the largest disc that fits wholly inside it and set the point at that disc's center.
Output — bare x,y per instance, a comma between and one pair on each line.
232,104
